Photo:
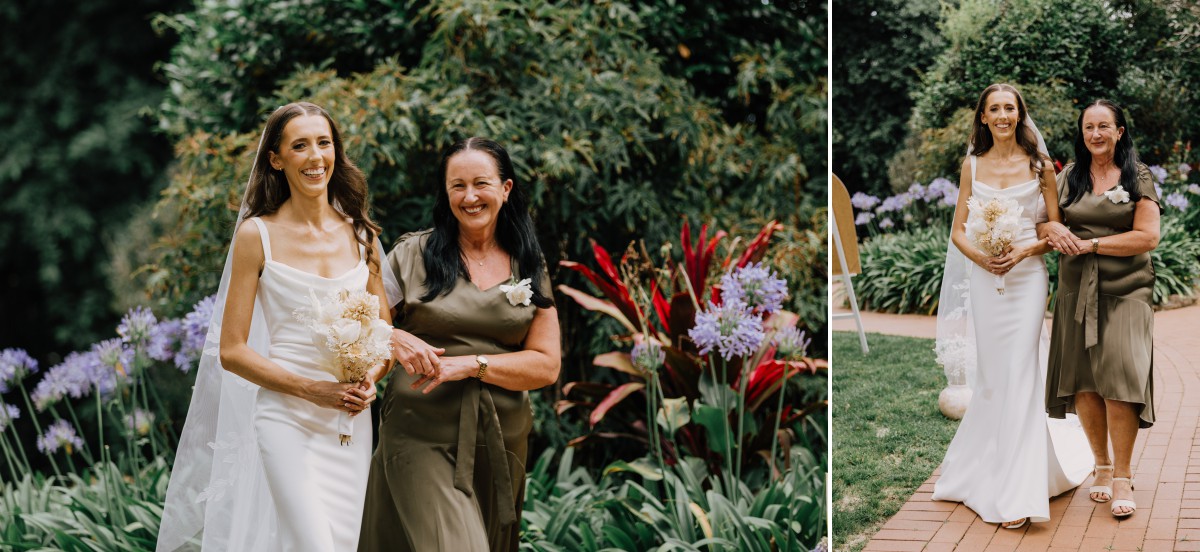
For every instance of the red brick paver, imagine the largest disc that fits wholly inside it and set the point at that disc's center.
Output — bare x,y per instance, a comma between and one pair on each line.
1166,464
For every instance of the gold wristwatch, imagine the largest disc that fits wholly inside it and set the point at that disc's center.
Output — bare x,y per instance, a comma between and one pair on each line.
1095,245
483,364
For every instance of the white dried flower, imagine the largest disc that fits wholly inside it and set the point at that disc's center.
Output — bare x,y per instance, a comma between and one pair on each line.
518,294
1117,195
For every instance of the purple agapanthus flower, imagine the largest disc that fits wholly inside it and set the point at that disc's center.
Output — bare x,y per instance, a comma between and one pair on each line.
114,356
886,223
791,342
941,190
73,377
1193,189
136,327
731,329
8,413
863,218
648,355
755,286
1185,169
164,340
139,422
194,331
1176,200
916,191
60,434
15,364
864,202
1160,174
895,203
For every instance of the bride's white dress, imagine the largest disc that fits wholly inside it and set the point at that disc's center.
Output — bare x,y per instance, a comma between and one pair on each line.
1008,457
316,486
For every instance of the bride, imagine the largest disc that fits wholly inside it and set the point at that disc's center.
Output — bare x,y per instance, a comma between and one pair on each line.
1006,459
260,465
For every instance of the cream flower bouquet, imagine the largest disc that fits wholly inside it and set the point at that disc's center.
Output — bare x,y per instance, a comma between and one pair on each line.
347,325
993,226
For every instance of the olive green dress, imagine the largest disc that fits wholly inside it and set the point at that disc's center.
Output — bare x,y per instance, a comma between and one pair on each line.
1102,339
449,470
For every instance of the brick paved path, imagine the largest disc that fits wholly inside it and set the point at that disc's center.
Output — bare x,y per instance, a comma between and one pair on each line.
1166,464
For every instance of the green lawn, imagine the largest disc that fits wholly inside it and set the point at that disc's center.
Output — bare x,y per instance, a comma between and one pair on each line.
888,435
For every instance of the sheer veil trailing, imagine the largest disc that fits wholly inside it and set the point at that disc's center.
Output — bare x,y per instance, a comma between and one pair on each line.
955,345
217,497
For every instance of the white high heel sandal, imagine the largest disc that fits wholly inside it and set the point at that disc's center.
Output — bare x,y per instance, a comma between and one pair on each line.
1123,502
1105,489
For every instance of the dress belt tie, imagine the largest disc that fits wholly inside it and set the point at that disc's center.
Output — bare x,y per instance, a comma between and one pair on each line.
1087,304
476,403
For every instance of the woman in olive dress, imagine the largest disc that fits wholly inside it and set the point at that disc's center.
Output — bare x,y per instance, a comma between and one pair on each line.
477,329
1101,346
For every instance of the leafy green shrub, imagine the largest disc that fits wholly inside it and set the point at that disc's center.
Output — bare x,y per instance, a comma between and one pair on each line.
902,272
1077,43
109,512
569,509
1176,261
609,145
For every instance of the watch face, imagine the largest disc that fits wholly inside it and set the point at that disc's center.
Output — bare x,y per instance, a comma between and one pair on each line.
481,359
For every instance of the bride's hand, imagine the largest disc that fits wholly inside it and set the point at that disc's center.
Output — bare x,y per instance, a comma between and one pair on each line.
999,265
415,355
330,394
362,395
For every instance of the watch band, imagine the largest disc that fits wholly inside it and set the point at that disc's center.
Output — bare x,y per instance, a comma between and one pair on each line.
1095,245
483,366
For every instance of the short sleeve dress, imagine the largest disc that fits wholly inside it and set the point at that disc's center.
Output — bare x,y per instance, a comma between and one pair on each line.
449,469
1102,339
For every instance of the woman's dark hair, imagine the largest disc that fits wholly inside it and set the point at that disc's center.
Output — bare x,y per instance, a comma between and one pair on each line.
444,260
1079,181
981,137
268,188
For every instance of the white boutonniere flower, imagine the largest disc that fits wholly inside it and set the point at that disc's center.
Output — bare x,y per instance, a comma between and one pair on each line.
519,293
1117,195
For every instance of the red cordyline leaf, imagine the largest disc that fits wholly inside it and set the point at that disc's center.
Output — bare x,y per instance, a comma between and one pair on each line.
661,307
766,376
758,246
612,399
697,260
615,292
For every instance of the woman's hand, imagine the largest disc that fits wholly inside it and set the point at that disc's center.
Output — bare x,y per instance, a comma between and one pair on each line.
362,395
1004,263
331,394
415,355
452,369
1062,240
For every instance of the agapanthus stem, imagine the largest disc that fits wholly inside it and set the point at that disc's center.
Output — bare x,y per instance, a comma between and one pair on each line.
85,450
20,447
38,427
10,458
779,420
742,382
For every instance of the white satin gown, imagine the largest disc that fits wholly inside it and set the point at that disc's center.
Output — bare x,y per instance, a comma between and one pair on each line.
316,485
1008,457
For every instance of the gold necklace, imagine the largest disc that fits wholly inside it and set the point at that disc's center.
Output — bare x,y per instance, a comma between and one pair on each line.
1102,179
469,259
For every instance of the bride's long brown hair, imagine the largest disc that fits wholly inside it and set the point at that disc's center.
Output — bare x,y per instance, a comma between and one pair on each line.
347,192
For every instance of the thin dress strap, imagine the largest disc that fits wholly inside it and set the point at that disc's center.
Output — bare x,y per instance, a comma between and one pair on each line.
262,234
972,169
